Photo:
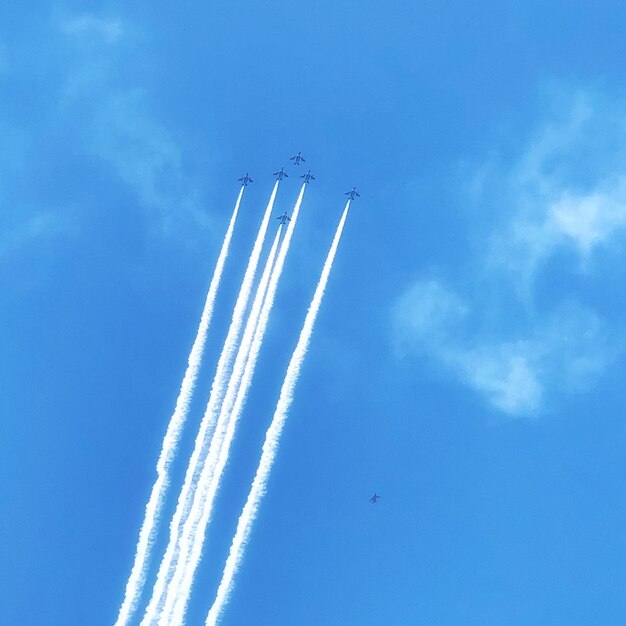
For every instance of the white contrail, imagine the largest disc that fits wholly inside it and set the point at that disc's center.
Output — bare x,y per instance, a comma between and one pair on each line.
137,578
195,528
208,421
225,411
272,437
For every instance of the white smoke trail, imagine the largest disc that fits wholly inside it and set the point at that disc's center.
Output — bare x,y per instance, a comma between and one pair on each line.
272,438
208,421
194,532
137,578
227,406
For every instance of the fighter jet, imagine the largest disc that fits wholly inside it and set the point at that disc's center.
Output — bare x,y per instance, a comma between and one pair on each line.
284,218
353,192
374,498
280,174
308,177
296,158
245,180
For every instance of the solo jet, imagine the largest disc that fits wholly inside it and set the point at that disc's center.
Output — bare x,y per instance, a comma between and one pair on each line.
352,193
308,177
280,174
297,158
374,498
245,180
284,218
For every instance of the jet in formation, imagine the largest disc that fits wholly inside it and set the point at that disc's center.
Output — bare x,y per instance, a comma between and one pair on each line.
374,498
308,177
284,218
245,180
297,158
280,174
352,193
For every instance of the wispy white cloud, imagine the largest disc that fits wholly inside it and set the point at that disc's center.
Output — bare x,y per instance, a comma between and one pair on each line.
119,126
427,310
26,222
108,30
565,192
96,113
514,370
505,374
35,227
144,155
579,222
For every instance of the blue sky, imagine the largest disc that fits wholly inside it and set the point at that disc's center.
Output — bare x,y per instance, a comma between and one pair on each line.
468,361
